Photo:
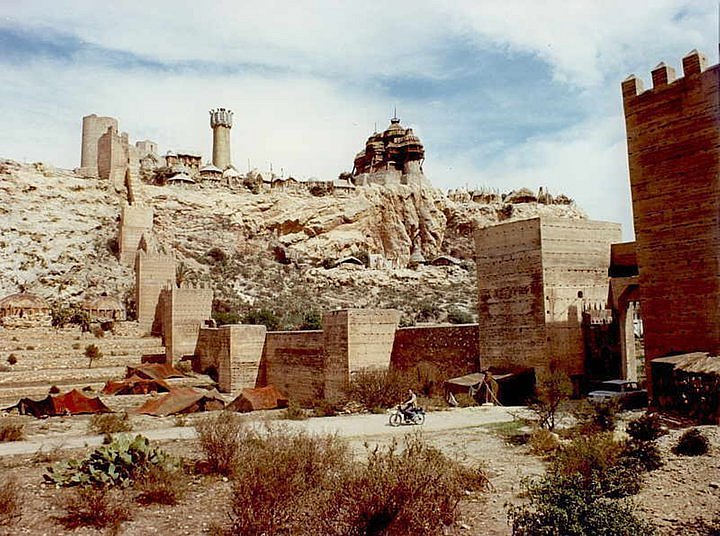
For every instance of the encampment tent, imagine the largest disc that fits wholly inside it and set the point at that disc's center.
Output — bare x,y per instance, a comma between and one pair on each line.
182,400
259,398
135,385
154,371
70,403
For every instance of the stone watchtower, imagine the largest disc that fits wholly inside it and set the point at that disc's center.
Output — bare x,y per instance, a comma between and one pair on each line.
93,127
221,123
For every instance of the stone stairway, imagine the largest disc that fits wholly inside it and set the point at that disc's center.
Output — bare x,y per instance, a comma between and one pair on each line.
47,357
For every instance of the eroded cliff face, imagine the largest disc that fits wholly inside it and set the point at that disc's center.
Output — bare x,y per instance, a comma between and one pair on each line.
57,231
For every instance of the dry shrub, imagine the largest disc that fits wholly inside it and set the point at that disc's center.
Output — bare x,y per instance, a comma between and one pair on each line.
12,359
89,506
296,483
294,412
692,443
161,485
285,482
543,442
324,408
11,430
413,490
10,504
220,438
646,428
110,423
378,388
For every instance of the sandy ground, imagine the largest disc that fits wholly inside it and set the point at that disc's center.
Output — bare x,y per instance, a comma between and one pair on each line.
682,491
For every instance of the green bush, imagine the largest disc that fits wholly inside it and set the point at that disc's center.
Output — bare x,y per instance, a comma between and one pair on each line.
642,454
312,320
646,428
568,505
458,316
92,353
223,318
116,464
264,317
692,443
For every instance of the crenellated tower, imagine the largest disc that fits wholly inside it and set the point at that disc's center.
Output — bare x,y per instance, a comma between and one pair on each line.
221,123
673,139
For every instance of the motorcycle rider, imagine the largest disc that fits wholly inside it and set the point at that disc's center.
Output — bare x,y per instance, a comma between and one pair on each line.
409,405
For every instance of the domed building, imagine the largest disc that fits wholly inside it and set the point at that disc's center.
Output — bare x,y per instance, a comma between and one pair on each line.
395,156
104,308
24,309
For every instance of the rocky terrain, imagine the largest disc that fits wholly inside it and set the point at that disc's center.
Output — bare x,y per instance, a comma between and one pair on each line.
58,237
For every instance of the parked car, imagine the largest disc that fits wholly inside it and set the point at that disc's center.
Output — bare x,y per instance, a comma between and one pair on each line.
627,393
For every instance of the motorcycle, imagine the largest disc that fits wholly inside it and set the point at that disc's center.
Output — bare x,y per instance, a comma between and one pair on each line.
413,416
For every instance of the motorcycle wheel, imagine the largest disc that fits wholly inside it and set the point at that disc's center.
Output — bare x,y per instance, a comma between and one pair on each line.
419,418
395,419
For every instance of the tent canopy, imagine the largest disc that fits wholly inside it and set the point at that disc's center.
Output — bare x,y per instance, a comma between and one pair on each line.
154,371
135,385
182,400
259,398
71,403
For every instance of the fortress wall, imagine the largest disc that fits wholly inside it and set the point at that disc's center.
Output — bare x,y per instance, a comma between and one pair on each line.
511,312
184,311
112,157
294,362
152,274
92,128
673,137
370,335
234,351
135,220
441,352
575,258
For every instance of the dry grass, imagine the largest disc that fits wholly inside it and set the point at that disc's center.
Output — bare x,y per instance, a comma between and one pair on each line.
220,438
294,412
89,506
10,503
109,423
543,442
11,430
295,483
161,485
378,388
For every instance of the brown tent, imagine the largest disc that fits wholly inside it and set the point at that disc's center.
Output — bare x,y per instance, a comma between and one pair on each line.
135,385
182,400
154,371
71,403
259,398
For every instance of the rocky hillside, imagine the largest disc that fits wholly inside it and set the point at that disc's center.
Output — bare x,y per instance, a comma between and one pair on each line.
58,230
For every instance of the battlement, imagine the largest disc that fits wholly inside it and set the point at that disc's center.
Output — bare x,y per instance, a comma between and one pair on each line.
694,63
221,118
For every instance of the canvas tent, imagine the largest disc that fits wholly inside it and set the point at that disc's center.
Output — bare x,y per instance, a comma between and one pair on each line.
259,398
514,386
70,403
135,385
182,400
154,371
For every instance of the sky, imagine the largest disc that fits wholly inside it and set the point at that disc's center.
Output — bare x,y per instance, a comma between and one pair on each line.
503,94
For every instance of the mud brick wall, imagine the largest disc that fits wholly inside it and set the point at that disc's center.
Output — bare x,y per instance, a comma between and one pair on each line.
442,352
294,362
511,312
535,279
184,313
370,335
135,220
152,274
234,352
112,156
673,137
575,258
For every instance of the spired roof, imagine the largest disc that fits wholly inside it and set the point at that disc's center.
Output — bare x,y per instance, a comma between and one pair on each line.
181,177
23,300
209,168
182,400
